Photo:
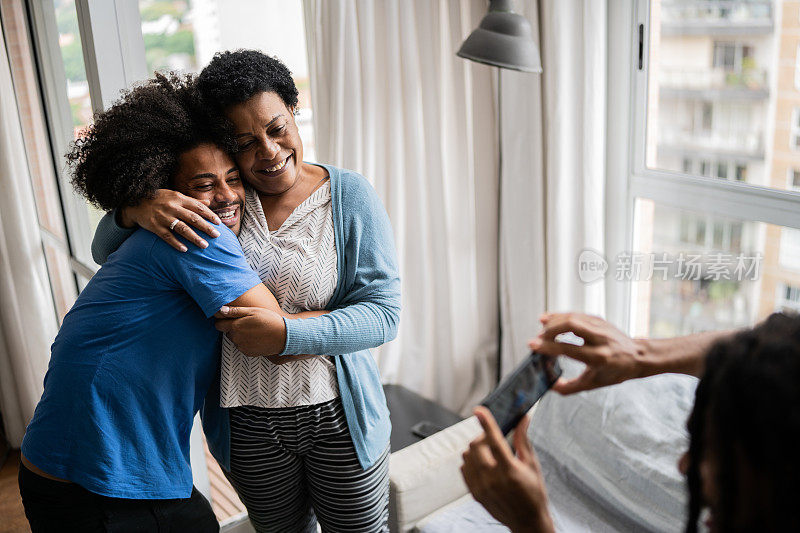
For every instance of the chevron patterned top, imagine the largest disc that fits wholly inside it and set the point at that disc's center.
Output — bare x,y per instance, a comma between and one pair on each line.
297,262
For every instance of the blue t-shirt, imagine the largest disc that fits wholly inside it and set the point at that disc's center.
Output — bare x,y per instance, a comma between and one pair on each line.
131,366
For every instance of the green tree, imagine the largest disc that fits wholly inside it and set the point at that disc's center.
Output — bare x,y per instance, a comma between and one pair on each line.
156,10
72,55
158,47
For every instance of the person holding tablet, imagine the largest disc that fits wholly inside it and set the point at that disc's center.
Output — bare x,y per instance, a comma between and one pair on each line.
744,429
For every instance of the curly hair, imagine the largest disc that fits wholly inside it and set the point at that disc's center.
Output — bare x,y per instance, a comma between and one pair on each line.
234,77
132,149
747,413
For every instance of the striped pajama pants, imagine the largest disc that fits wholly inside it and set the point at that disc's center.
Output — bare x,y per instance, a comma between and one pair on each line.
295,466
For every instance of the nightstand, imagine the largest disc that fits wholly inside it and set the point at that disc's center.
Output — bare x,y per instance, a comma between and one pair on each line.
407,408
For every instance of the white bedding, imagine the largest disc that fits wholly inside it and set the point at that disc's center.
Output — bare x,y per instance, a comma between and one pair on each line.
621,445
609,458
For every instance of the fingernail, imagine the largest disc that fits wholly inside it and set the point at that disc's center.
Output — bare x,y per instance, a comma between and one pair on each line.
184,249
217,220
224,309
203,244
214,233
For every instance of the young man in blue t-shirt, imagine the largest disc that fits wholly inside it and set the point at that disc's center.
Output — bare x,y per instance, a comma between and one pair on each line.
108,446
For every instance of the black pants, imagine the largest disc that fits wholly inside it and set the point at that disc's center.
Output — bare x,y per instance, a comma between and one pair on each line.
52,506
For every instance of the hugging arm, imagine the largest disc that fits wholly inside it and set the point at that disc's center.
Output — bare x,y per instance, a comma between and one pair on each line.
260,302
366,317
155,215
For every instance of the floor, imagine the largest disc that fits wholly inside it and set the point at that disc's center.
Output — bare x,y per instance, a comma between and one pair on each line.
224,500
13,520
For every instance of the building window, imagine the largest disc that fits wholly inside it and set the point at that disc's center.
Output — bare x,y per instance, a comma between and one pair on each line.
787,298
722,170
741,172
705,168
725,55
795,130
733,56
793,179
789,249
797,69
708,116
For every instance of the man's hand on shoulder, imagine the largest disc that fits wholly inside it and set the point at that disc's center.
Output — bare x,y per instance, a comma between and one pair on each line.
510,487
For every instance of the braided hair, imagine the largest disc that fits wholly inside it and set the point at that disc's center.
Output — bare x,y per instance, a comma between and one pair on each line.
746,421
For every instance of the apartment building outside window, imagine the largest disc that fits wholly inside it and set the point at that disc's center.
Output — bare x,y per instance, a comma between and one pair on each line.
716,133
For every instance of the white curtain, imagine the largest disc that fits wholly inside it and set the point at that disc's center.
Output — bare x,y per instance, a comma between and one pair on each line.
553,128
27,316
392,101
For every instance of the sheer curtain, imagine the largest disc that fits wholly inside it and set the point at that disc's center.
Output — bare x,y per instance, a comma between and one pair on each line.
27,316
553,169
392,101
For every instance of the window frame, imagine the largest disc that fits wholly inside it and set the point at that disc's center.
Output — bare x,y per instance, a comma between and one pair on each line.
114,59
724,198
628,177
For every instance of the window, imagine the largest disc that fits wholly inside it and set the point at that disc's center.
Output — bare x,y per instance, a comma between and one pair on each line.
722,170
711,97
71,58
725,54
707,115
795,133
715,146
793,179
705,168
797,69
741,172
186,35
40,165
789,250
788,298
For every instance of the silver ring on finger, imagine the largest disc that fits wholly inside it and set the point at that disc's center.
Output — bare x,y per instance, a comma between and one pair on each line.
174,223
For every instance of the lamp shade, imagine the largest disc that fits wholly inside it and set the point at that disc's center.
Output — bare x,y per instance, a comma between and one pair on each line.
503,39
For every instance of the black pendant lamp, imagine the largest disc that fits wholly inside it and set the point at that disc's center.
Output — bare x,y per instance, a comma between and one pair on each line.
503,39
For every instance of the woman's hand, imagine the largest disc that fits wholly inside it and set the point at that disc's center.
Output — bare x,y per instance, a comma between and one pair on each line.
255,331
157,214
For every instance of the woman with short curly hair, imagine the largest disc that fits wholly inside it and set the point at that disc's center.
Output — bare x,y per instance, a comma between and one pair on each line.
108,445
307,441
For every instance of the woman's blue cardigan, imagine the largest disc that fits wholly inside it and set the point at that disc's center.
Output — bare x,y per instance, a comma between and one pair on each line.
365,311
